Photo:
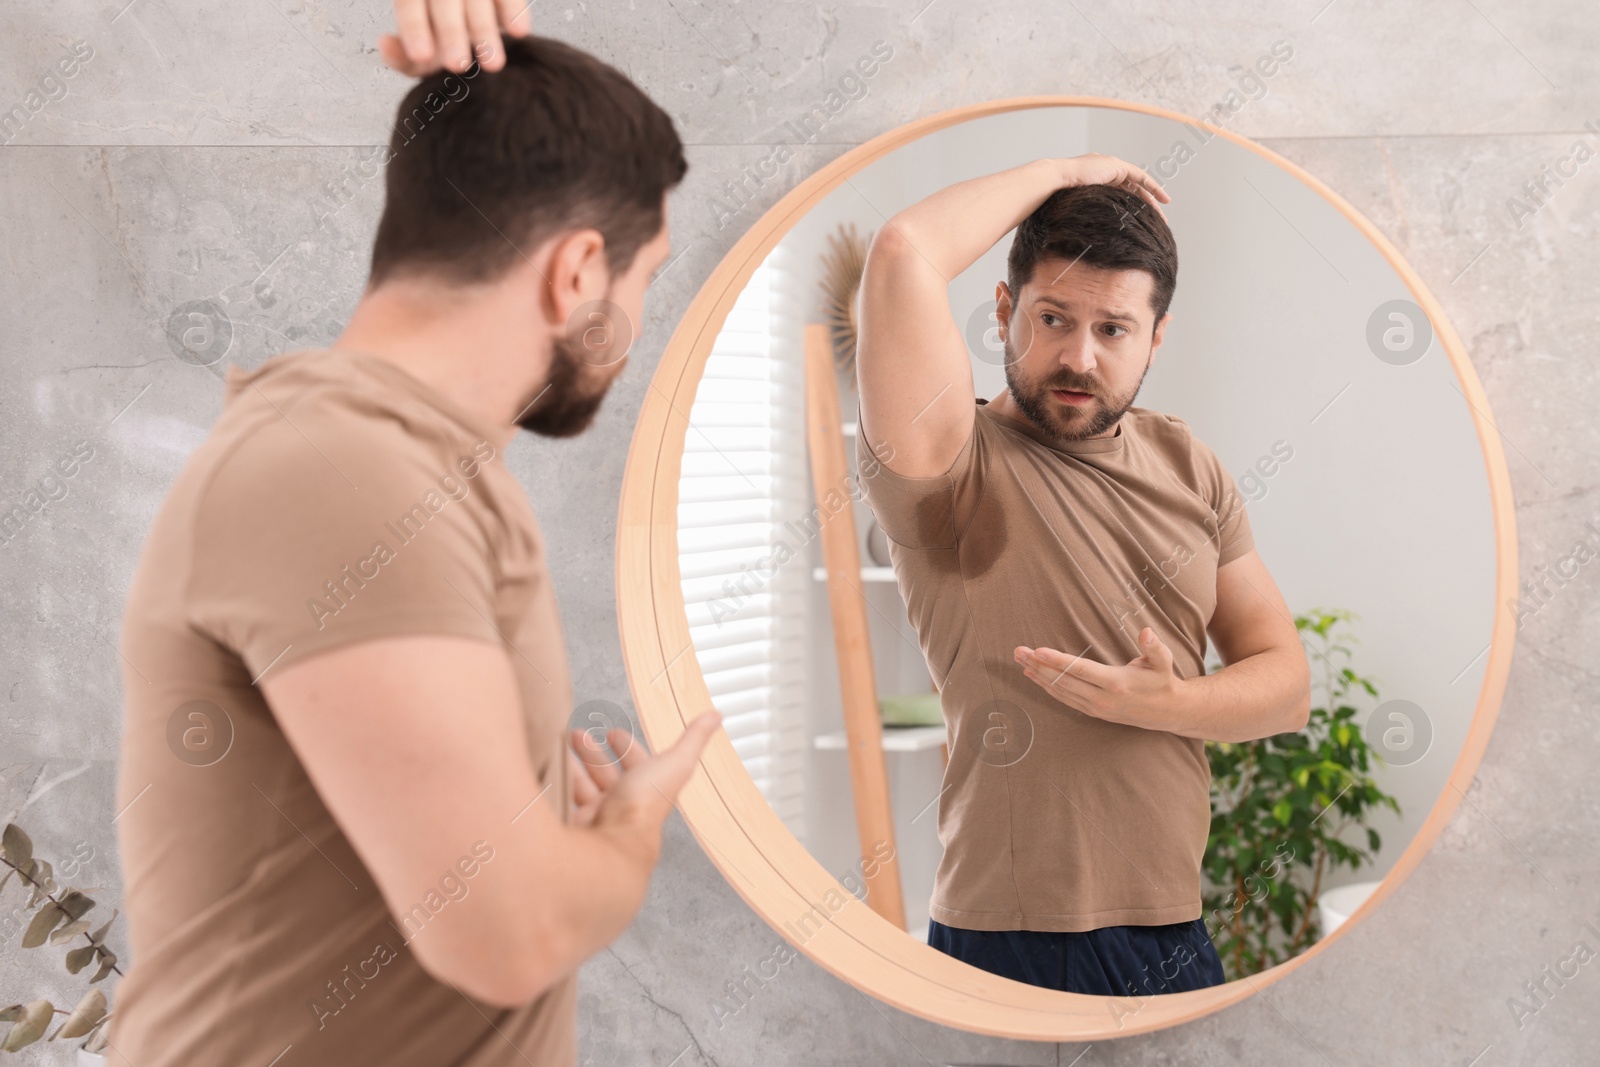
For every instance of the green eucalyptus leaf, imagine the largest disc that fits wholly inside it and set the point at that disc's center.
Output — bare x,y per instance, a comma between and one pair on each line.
69,931
16,845
85,1017
35,1019
44,920
11,1014
76,904
108,960
79,958
100,934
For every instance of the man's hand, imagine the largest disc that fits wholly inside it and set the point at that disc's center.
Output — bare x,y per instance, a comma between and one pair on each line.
1143,693
644,786
448,34
1096,169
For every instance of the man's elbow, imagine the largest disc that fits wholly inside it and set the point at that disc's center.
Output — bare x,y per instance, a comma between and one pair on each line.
503,968
1300,717
1300,714
891,240
894,254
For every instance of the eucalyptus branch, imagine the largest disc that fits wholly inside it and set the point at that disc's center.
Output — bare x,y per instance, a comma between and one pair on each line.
56,921
52,899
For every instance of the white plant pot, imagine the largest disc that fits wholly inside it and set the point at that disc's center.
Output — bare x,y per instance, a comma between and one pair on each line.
1337,905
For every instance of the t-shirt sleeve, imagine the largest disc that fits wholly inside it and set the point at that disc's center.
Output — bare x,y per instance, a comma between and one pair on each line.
323,532
919,513
1232,528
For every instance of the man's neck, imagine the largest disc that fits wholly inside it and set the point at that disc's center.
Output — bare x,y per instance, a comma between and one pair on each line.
465,346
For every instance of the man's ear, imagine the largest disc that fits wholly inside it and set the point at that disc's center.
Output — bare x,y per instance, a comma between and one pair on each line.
1159,334
576,273
1002,306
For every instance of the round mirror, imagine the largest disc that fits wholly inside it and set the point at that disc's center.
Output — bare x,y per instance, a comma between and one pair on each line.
754,575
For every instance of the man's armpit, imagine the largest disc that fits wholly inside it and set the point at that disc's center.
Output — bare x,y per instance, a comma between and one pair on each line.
918,513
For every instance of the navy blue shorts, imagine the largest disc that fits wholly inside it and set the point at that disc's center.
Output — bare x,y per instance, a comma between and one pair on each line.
1111,961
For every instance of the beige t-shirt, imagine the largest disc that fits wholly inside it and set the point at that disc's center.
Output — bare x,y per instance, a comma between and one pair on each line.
337,499
1052,819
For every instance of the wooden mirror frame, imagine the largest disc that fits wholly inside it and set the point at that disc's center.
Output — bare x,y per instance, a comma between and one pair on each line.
744,837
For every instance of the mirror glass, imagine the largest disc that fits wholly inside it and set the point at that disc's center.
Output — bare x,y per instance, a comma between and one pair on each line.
1296,353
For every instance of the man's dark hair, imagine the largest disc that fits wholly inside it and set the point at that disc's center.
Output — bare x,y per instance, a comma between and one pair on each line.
1097,226
484,166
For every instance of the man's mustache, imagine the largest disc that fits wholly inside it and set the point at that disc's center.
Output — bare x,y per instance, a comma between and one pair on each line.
1074,385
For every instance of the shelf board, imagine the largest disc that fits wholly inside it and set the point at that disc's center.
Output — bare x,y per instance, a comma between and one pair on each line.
868,574
895,739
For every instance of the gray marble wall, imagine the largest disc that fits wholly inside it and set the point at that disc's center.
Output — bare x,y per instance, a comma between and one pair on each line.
211,157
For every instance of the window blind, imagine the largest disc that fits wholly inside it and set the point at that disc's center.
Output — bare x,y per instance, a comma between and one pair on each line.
744,478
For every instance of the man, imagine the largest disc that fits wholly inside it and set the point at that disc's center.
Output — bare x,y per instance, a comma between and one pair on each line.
352,827
1063,555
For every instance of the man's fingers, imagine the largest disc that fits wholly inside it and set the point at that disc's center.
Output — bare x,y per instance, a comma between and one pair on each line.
514,17
1156,650
584,790
393,51
1151,190
484,27
1071,673
629,752
416,31
672,768
1049,657
599,764
449,20
1149,183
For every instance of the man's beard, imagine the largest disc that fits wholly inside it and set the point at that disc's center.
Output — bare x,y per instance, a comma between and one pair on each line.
566,404
1065,421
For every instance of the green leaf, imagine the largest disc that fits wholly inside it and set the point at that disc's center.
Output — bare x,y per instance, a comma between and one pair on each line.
79,958
76,904
1281,811
43,883
16,845
44,920
69,931
11,1014
90,1010
35,1019
108,960
100,934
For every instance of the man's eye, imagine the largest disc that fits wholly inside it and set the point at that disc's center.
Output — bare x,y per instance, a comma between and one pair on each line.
1047,317
1114,326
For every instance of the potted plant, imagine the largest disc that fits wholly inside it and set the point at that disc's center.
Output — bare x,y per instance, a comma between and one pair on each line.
1280,807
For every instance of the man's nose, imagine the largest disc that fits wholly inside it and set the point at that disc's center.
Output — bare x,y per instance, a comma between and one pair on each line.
1077,352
